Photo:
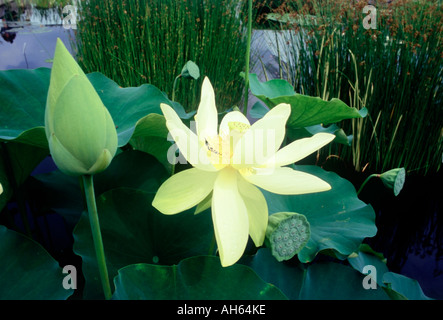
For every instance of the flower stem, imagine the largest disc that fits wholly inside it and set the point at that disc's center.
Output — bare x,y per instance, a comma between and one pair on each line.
365,182
96,235
174,87
248,53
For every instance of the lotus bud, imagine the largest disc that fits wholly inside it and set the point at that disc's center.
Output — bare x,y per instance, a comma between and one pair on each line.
287,233
81,133
394,179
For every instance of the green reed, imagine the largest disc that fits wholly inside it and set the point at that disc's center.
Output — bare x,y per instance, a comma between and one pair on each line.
149,41
395,71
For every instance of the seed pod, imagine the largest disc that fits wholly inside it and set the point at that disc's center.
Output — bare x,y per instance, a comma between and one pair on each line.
287,234
190,70
394,179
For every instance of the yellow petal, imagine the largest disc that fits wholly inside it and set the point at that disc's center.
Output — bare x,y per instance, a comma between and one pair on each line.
206,118
1,188
263,139
285,180
299,149
257,210
204,205
230,217
186,140
183,191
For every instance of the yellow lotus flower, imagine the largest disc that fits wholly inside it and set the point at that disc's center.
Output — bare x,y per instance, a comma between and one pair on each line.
231,163
1,188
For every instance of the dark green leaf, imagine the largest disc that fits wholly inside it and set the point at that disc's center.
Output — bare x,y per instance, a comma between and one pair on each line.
402,287
196,278
17,161
396,285
27,270
306,132
135,232
23,94
320,280
130,169
23,99
151,136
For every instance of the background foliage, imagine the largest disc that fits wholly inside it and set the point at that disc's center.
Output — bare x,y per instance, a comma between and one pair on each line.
149,41
395,71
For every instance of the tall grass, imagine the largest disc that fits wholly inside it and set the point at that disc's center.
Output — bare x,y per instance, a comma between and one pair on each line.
149,41
395,71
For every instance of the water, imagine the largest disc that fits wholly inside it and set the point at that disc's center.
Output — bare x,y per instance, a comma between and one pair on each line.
410,227
28,42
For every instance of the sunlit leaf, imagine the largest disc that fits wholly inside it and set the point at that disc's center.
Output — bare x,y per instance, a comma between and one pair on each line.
305,110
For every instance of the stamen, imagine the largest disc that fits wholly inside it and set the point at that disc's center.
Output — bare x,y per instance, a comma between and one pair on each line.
210,148
219,150
238,126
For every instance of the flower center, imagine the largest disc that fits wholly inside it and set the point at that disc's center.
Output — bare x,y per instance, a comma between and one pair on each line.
221,147
219,151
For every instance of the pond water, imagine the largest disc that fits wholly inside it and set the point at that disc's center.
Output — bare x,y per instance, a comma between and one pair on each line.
409,226
28,42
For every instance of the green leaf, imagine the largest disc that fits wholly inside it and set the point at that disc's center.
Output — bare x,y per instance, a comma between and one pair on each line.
362,259
17,161
135,232
396,285
305,110
27,270
190,70
23,96
402,287
317,281
129,107
334,281
151,136
340,135
258,110
339,220
130,169
196,278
